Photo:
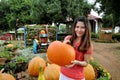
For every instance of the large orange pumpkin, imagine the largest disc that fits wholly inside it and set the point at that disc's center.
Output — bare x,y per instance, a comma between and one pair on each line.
34,65
60,53
89,72
52,72
6,76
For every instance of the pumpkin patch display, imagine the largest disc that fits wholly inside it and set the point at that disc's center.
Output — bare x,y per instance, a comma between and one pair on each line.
60,53
89,72
6,76
52,72
34,65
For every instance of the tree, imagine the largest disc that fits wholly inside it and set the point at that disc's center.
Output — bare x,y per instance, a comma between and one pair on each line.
78,8
37,10
47,11
111,9
18,14
40,11
4,9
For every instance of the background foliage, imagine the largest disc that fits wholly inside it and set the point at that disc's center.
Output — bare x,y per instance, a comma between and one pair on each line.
111,9
16,13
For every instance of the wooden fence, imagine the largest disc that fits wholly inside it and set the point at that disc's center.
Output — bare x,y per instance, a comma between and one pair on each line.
106,36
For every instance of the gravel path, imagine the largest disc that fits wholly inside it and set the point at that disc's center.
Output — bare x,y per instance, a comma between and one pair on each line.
108,54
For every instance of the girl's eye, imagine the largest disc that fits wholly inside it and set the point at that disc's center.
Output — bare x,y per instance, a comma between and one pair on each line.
77,26
83,27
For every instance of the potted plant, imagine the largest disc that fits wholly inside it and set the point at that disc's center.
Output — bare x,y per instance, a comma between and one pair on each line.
2,61
5,55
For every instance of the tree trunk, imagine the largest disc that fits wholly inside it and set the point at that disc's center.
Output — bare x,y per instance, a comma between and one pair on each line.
113,24
15,33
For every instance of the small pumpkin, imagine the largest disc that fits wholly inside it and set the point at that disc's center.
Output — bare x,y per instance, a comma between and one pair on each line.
91,58
34,65
6,76
42,32
89,72
52,72
60,53
9,45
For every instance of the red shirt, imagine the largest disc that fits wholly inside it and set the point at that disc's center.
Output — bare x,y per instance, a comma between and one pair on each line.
76,72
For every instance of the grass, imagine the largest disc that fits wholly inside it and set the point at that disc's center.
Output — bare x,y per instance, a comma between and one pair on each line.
15,42
117,51
118,47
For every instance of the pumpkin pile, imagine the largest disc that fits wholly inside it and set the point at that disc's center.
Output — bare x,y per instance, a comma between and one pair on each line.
37,67
60,53
52,71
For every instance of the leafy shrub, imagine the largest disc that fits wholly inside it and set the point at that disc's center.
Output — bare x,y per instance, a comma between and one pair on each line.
105,41
52,33
61,36
116,36
101,73
94,35
5,54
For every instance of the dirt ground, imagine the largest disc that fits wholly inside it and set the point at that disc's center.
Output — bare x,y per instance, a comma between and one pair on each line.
108,55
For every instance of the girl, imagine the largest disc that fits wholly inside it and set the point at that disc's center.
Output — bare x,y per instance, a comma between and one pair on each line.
81,41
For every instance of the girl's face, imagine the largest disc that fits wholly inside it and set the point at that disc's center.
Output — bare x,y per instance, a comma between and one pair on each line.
80,29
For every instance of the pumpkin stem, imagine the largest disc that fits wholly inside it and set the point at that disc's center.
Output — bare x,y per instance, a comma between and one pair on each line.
41,75
1,70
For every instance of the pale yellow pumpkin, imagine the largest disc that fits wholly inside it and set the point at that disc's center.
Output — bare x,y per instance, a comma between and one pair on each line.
89,72
9,45
52,72
91,58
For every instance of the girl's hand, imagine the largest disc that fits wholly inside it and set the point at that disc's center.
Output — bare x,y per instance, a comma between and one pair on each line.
69,66
75,62
80,63
72,64
66,41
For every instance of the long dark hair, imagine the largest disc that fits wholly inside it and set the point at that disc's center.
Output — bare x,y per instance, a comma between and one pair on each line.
86,39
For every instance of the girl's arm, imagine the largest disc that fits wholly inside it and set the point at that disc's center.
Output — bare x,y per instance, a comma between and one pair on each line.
67,39
87,56
82,63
